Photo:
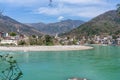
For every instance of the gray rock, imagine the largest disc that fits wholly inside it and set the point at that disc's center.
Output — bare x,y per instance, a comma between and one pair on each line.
77,79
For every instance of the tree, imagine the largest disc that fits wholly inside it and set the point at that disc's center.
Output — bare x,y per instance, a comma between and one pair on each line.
114,36
21,42
9,69
48,40
75,41
33,36
32,41
12,34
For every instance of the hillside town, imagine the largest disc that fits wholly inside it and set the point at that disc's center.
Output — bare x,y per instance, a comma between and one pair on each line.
13,38
106,39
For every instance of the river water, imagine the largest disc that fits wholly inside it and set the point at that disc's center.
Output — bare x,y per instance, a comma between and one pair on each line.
100,63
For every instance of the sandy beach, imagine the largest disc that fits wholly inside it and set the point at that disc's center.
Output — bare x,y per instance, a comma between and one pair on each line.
45,48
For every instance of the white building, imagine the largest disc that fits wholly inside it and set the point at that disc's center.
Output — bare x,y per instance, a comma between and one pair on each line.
118,41
5,34
9,42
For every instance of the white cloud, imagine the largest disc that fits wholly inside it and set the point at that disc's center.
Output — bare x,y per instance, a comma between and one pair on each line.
60,18
82,1
87,12
39,2
80,8
48,11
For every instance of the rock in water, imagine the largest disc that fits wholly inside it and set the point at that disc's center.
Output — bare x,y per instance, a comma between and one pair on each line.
77,78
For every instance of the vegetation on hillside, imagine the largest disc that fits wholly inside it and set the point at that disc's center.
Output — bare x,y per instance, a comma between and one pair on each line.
104,24
44,40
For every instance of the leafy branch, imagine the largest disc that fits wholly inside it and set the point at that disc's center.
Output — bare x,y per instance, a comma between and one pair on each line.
10,68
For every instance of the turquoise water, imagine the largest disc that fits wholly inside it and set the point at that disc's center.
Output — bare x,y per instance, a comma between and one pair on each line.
101,63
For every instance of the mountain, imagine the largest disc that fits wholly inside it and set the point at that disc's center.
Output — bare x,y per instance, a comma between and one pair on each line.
8,24
58,27
106,23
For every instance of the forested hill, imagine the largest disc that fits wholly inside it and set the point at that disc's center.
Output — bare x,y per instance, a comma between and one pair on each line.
57,27
106,23
8,24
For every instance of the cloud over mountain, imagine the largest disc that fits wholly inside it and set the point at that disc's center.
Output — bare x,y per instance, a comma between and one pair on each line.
70,9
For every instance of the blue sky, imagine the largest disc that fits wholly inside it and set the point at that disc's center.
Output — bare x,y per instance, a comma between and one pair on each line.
32,11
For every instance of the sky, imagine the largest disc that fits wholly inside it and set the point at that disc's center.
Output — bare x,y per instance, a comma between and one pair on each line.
47,11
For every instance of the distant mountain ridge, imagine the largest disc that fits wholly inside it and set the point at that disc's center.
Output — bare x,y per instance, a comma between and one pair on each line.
106,23
8,24
57,27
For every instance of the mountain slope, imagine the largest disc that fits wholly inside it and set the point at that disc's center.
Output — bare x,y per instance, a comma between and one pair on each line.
107,23
58,27
8,24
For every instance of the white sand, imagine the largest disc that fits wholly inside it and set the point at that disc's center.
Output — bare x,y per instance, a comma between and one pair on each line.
45,48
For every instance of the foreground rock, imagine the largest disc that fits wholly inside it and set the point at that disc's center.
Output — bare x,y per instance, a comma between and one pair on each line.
77,79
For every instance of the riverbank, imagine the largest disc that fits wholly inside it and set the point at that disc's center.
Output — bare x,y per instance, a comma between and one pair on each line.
45,48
